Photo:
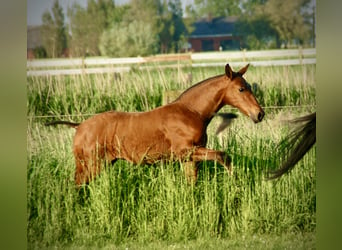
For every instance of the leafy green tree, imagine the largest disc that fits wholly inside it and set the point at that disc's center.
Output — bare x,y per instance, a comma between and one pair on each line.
53,31
173,28
107,7
78,41
88,24
96,23
256,32
166,29
48,34
128,39
180,29
271,23
164,23
287,18
148,12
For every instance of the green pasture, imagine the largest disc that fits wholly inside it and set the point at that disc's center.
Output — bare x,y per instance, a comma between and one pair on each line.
153,207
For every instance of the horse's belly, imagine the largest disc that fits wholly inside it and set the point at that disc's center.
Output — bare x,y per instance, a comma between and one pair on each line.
143,146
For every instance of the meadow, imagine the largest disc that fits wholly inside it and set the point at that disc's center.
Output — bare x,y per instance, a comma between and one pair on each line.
153,207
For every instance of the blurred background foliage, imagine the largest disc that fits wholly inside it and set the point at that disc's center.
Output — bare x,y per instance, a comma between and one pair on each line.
140,28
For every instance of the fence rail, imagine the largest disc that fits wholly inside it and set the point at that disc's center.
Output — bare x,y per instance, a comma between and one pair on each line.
111,65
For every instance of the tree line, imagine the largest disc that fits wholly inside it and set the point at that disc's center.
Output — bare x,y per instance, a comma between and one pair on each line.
141,28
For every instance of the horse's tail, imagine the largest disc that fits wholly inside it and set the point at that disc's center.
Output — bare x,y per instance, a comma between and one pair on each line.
296,144
70,124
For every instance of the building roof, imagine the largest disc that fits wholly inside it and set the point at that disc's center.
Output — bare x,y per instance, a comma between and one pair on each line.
213,27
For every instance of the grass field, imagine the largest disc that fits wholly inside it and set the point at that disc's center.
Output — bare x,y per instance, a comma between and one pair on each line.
153,207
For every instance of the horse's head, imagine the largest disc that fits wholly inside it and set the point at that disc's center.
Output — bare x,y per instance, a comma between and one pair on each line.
239,94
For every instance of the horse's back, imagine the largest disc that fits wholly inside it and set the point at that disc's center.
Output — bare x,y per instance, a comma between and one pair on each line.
107,126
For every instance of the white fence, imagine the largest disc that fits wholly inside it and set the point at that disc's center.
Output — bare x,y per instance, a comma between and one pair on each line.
111,65
253,54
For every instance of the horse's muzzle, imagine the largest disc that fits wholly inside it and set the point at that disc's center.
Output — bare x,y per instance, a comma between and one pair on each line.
258,116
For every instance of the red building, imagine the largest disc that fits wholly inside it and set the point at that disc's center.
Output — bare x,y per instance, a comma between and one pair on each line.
214,34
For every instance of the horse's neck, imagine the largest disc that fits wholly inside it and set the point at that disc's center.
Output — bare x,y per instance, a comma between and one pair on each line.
204,98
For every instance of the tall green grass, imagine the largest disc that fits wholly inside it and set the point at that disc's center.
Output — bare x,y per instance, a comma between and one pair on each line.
140,205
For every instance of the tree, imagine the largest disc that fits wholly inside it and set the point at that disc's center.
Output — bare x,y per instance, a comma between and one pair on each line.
107,7
179,27
101,19
166,30
165,19
88,24
96,23
53,31
78,41
128,39
270,23
48,34
173,27
147,12
256,33
287,18
254,27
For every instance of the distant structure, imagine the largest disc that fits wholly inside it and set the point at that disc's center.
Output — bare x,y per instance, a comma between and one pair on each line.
214,34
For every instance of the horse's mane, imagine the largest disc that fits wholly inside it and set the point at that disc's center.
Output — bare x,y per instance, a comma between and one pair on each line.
296,144
206,81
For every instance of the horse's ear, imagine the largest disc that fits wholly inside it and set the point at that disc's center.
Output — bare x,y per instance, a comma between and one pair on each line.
243,70
229,72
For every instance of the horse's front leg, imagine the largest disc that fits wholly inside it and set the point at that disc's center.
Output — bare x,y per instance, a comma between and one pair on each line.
190,171
205,154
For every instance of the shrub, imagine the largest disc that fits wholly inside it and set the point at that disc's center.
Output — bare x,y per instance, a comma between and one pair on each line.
128,40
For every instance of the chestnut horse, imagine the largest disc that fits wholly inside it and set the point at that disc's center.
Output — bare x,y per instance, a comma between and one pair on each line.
176,131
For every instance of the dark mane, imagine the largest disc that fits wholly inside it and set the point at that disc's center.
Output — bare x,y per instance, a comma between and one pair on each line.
197,84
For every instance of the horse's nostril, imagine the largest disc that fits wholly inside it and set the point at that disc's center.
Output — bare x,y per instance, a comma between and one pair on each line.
260,116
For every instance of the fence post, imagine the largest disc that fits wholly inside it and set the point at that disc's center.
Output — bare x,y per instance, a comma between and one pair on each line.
301,55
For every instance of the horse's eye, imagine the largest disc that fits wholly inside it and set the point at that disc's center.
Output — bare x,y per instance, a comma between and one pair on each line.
241,89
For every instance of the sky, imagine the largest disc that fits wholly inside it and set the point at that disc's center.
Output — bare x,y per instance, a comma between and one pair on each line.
36,8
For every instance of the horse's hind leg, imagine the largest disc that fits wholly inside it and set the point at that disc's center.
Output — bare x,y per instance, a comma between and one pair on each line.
80,173
87,168
85,172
